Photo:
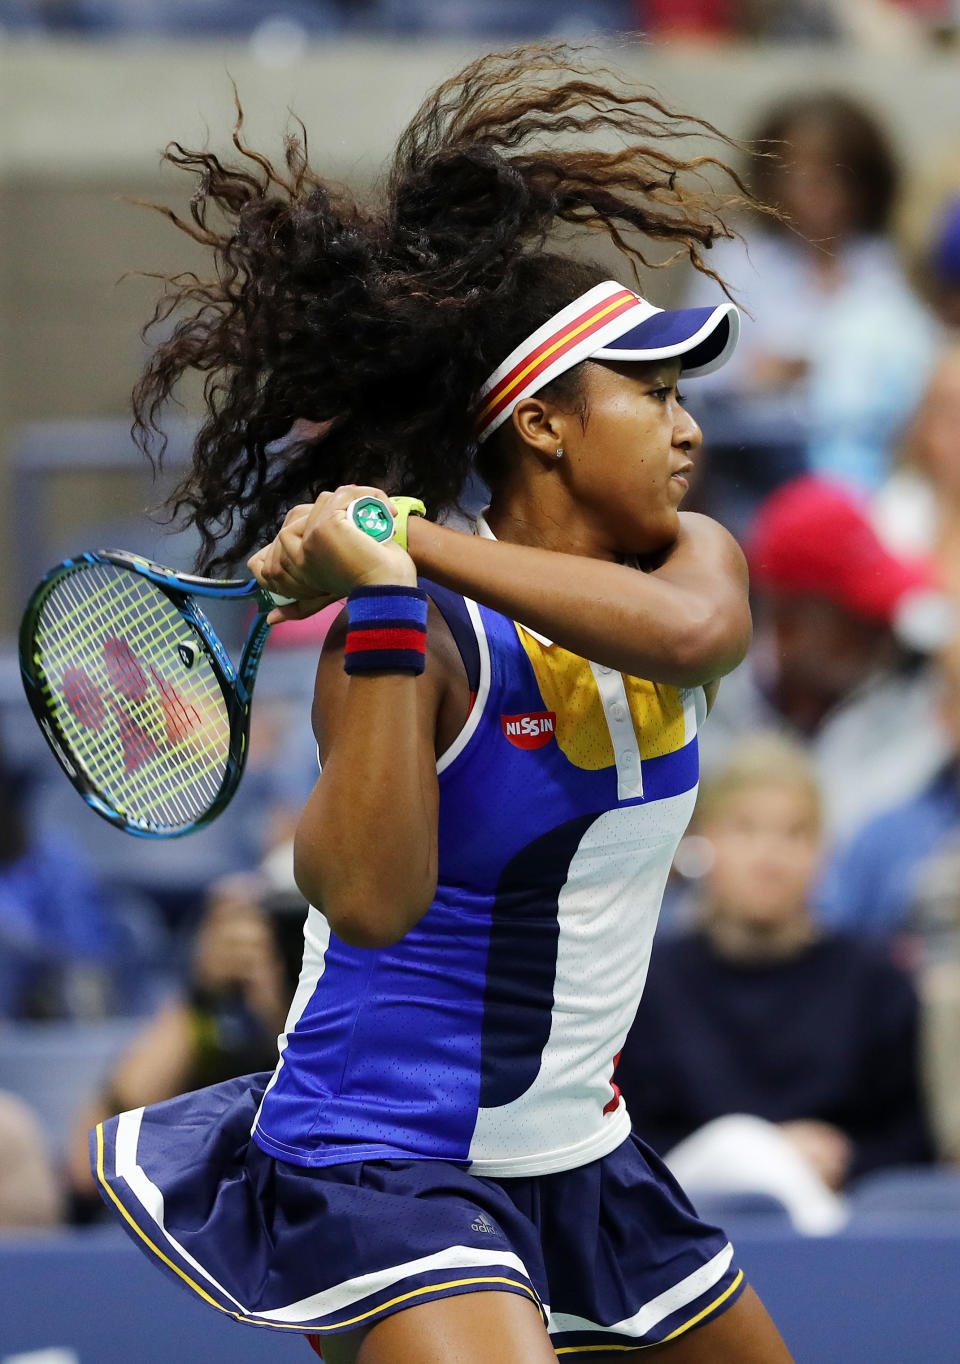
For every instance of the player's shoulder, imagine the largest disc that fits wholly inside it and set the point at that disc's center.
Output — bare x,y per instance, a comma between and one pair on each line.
707,531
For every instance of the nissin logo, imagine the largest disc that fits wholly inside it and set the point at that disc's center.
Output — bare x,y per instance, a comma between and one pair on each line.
532,730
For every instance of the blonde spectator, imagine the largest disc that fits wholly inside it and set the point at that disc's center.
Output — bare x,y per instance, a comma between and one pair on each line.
898,881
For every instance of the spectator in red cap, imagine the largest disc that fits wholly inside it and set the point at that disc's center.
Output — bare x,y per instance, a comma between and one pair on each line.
843,626
814,538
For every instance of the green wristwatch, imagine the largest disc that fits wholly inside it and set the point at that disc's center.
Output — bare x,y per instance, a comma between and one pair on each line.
374,517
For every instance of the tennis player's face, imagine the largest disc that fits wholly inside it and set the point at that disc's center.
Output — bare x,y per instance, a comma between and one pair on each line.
631,462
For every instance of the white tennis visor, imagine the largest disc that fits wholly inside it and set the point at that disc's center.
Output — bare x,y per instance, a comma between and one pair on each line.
608,322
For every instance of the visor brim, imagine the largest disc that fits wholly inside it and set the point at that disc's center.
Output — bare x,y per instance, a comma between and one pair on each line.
704,339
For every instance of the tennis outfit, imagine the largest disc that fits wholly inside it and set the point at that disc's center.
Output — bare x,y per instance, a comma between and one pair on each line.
443,1117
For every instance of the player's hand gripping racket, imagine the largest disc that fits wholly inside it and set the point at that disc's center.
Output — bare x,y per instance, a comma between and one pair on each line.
133,690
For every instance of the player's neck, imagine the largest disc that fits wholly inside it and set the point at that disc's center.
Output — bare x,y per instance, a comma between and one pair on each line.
540,512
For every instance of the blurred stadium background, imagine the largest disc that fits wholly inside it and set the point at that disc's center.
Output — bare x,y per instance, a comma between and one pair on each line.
90,92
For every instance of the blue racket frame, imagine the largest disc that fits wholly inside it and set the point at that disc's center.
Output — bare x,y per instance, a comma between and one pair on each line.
236,682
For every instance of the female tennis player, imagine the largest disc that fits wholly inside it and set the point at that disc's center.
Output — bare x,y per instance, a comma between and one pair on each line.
441,1167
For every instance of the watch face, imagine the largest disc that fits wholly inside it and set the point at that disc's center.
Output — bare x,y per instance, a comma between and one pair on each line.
373,518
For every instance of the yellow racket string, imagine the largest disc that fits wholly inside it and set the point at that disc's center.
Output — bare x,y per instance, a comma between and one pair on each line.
150,637
152,632
178,731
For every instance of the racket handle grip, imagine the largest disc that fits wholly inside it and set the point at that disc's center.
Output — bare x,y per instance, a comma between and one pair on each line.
374,518
369,514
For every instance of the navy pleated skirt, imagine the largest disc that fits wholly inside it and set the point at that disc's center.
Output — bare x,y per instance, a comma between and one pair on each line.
611,1253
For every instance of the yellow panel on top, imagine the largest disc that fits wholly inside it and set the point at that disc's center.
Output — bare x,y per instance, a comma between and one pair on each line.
657,713
569,688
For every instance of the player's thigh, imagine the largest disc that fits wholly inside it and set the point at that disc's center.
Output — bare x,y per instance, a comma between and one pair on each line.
472,1328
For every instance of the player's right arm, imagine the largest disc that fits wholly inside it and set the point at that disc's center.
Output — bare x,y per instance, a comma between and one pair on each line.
365,849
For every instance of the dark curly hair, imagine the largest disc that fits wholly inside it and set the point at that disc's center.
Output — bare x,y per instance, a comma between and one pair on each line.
375,327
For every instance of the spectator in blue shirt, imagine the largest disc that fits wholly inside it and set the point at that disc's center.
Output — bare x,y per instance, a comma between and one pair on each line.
883,880
59,951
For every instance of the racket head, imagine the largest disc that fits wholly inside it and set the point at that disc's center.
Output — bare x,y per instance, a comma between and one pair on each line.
134,692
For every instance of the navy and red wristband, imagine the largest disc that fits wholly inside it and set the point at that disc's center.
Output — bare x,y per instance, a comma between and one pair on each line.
387,630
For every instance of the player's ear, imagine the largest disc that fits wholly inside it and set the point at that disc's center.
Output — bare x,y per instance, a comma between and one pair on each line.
539,426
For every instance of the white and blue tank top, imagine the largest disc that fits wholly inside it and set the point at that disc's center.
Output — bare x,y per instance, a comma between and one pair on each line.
489,1034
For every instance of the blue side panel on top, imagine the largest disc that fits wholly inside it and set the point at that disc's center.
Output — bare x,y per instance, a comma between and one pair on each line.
671,774
385,1060
522,962
451,607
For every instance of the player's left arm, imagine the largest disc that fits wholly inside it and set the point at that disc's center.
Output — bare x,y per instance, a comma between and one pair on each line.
685,621
702,543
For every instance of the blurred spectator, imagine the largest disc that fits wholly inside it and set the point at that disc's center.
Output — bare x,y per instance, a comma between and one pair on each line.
878,24
31,1197
61,956
43,14
917,510
898,877
841,626
807,1036
791,20
838,348
243,971
500,19
705,20
893,25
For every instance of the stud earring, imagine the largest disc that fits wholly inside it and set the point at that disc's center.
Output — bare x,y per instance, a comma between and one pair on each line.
559,452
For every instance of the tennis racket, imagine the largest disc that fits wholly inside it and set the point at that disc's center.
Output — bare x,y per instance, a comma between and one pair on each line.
134,691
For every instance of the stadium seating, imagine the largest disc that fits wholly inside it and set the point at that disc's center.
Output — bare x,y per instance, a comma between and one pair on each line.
927,1191
55,1067
729,1209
